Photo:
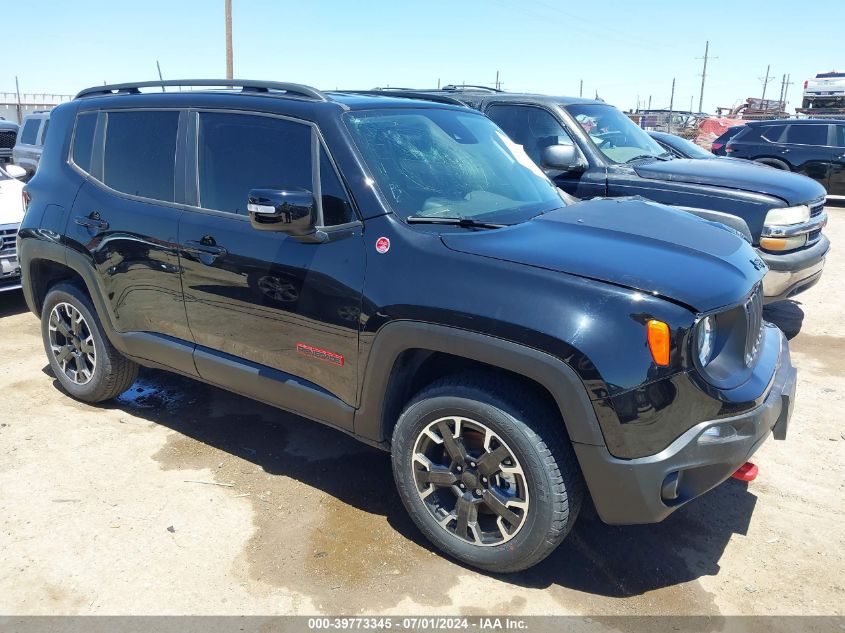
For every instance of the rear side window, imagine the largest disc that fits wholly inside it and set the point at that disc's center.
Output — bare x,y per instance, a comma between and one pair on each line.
29,133
239,152
772,133
44,130
840,136
807,134
140,153
83,140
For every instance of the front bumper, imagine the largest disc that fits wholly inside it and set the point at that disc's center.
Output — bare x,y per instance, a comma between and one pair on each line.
648,489
791,273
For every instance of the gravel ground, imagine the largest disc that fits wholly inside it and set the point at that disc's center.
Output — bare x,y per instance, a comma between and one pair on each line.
180,498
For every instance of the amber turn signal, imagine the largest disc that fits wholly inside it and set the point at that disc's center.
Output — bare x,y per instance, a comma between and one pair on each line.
658,341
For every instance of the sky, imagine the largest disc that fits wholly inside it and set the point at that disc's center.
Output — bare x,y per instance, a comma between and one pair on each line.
623,51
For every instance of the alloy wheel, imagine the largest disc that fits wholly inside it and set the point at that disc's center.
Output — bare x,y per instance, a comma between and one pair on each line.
72,343
470,481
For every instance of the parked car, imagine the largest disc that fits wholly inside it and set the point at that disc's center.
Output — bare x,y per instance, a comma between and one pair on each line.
643,374
8,137
30,141
589,148
11,214
718,146
812,147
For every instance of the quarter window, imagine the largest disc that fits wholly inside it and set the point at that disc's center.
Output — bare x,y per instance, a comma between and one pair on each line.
240,152
83,140
336,206
29,134
140,153
840,136
807,134
44,131
533,128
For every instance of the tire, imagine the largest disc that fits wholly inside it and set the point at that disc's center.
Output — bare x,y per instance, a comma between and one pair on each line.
773,162
94,371
536,472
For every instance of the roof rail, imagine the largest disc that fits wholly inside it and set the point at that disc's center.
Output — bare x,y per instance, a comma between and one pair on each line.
470,87
406,93
295,90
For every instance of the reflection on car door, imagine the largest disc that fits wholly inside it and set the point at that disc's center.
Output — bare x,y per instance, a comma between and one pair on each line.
286,308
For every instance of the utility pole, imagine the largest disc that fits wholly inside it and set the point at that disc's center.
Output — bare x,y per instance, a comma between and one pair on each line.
785,88
671,105
703,77
18,90
497,80
229,65
581,89
765,81
649,102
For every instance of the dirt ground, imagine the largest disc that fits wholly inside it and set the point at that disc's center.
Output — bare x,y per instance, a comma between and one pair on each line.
181,498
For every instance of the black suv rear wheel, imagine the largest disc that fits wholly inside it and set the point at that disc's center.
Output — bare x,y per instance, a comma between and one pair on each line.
84,361
486,472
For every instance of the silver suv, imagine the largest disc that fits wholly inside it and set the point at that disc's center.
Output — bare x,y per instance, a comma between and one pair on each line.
30,143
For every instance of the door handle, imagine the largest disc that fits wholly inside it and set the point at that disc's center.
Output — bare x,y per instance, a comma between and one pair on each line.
206,246
92,221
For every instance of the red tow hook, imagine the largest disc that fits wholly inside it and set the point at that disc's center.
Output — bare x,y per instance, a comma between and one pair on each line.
746,472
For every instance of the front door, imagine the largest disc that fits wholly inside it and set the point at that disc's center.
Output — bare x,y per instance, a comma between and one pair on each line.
535,128
262,299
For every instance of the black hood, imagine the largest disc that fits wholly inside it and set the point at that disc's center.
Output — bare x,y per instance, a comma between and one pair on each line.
629,242
746,176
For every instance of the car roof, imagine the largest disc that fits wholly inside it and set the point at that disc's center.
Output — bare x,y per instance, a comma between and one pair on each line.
792,122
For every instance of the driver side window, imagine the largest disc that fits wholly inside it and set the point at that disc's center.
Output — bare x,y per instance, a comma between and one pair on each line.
532,127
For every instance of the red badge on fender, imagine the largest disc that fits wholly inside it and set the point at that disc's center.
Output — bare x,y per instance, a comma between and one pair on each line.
382,245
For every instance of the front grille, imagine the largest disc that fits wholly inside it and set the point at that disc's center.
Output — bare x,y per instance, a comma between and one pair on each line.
754,324
7,240
816,207
8,138
813,236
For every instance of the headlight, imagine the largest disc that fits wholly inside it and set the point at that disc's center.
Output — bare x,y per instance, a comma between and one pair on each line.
786,216
704,340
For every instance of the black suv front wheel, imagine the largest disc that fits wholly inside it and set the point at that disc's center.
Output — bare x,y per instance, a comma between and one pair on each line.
486,472
83,360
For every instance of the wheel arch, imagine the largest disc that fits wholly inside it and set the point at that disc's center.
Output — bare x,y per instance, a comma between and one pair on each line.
406,354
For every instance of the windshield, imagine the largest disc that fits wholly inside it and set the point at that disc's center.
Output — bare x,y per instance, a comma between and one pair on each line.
690,149
614,134
450,164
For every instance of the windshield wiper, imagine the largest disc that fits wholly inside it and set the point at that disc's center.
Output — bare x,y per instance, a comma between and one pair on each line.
642,156
456,221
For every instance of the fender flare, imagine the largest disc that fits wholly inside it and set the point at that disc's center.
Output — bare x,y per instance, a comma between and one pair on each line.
561,381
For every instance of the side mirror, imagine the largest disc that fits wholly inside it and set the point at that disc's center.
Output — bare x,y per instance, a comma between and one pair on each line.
562,157
15,171
291,211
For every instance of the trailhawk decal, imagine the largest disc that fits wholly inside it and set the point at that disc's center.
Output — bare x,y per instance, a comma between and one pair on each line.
320,354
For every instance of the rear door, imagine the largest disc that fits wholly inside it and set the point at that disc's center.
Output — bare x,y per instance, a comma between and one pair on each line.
836,182
125,216
805,146
262,300
535,128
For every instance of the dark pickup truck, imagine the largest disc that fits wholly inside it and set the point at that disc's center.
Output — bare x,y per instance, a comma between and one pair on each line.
591,149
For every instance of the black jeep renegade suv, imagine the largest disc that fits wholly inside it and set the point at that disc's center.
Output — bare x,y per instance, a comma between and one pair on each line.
402,271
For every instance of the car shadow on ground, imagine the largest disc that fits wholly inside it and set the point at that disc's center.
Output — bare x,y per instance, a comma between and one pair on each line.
12,303
787,315
595,558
